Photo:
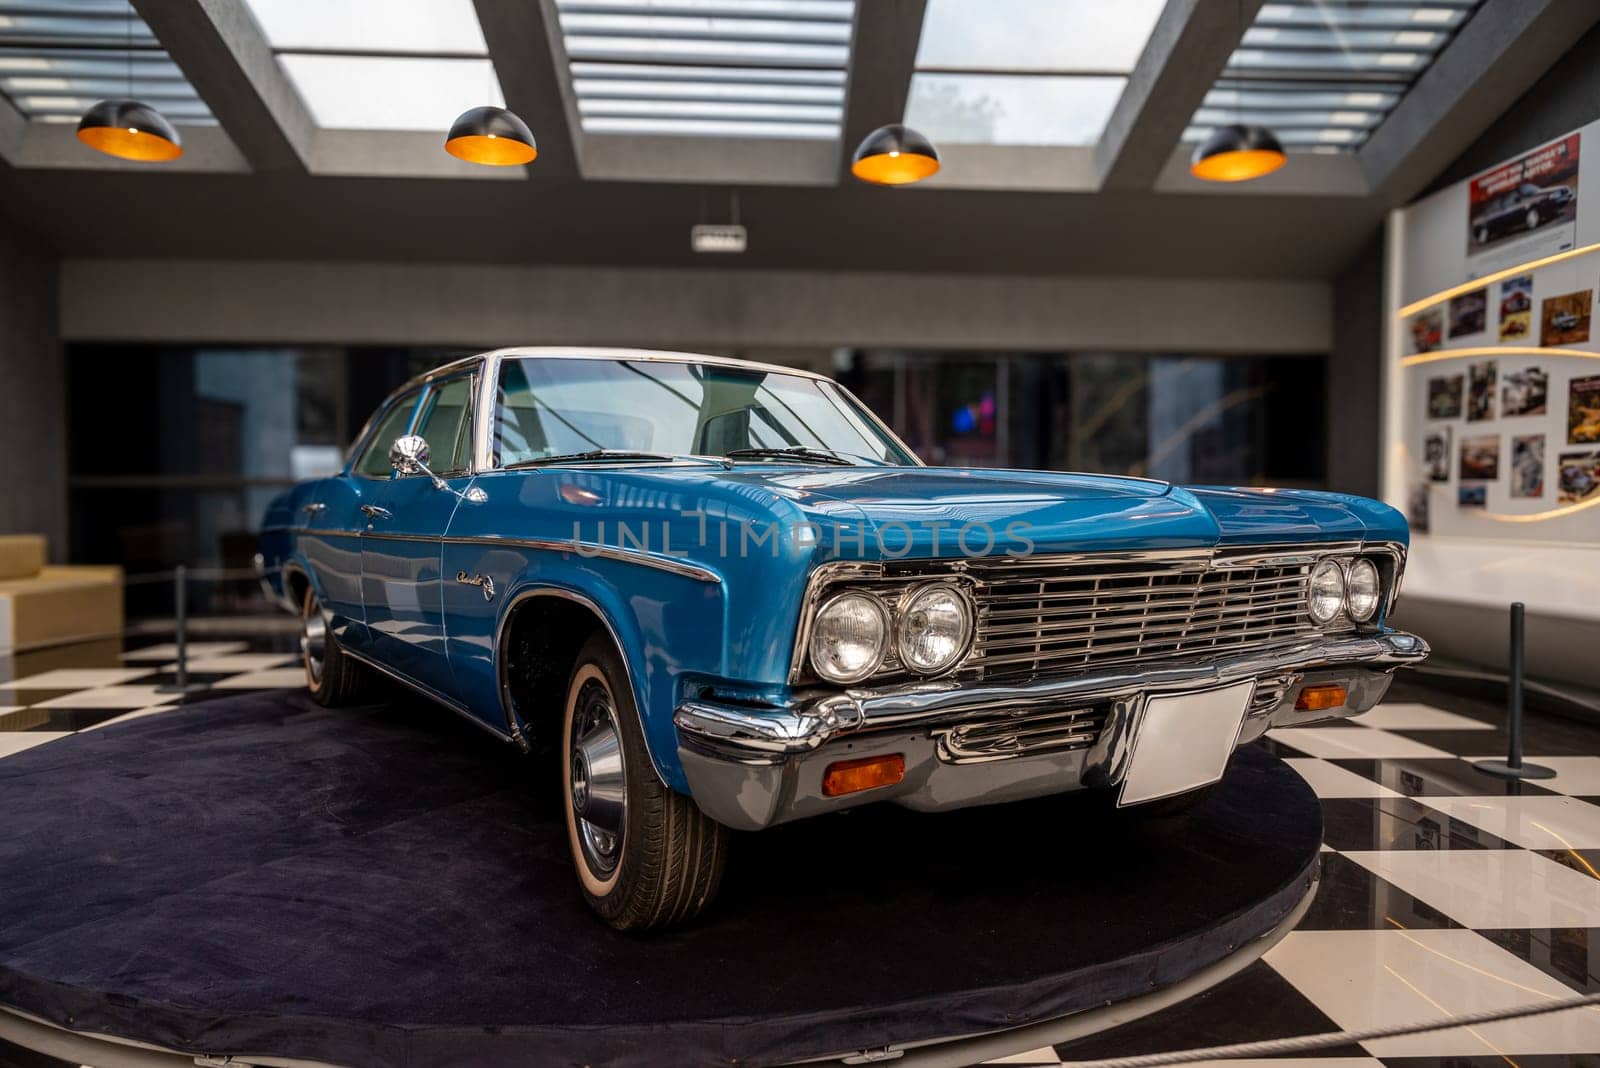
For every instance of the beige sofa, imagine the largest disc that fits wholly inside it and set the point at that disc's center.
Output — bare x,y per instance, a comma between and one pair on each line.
41,604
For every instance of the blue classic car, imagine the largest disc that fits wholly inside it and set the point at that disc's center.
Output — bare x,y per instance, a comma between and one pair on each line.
727,596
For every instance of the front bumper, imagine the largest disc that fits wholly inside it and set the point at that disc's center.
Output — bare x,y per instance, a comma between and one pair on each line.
978,743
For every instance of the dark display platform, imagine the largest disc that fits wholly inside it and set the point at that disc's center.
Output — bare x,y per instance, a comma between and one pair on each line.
386,885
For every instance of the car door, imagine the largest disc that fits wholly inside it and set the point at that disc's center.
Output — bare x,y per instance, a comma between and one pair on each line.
334,523
406,519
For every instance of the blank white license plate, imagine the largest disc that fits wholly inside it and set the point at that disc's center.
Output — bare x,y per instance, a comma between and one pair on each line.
1183,742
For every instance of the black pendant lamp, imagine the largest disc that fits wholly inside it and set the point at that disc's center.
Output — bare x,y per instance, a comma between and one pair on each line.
895,155
1237,153
492,136
130,129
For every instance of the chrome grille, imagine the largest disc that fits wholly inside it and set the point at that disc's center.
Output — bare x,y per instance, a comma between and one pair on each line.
1042,616
1022,733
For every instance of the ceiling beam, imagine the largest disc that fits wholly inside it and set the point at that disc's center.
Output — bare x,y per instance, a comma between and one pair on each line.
1495,58
225,56
883,54
530,59
11,126
1187,50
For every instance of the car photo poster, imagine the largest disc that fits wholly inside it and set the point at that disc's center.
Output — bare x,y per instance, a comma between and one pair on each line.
1530,202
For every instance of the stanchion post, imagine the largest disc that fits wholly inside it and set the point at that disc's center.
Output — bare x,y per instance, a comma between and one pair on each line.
1513,766
180,612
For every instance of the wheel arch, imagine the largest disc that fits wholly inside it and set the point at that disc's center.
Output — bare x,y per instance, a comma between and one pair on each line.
296,580
561,603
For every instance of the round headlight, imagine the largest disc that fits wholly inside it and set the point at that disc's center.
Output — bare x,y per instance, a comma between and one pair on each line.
1325,597
935,626
1362,590
848,637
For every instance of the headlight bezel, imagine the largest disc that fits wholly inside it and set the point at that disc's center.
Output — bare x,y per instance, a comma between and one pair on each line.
1321,567
902,619
1368,564
1385,567
886,635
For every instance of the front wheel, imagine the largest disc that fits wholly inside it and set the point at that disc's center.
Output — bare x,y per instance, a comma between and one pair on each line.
645,855
1533,218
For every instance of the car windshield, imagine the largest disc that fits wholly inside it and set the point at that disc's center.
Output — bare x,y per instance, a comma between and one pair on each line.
579,409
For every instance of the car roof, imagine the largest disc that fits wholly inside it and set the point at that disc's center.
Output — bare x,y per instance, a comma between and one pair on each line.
580,352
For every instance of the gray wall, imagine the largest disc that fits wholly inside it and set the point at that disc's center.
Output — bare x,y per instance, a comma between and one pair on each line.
1355,374
490,305
33,433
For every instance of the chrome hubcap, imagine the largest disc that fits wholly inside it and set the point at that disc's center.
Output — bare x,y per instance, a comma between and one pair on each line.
314,641
599,784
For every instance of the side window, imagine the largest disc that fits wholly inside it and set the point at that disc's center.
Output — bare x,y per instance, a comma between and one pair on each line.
374,461
446,421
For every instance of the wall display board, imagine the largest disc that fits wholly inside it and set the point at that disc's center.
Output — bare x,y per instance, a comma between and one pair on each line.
1493,381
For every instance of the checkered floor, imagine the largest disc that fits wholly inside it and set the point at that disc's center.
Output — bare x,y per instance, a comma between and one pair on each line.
1444,890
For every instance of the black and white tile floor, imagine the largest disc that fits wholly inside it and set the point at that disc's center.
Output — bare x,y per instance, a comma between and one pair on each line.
1444,891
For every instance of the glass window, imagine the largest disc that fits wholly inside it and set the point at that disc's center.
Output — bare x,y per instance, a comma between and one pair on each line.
370,25
553,407
446,423
357,92
709,68
1012,109
375,461
1044,35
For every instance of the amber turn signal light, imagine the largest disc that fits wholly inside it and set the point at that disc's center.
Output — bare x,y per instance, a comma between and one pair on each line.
1320,698
853,776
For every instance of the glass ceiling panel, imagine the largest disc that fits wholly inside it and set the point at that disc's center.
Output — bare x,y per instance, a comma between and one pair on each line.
1025,72
425,26
350,92
381,64
1050,36
710,68
1012,109
59,57
1324,74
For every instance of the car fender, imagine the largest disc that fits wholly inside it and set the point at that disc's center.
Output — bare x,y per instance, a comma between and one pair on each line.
647,655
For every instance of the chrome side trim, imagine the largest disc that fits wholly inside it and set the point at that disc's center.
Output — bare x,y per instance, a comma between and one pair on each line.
669,564
427,691
582,548
528,593
672,565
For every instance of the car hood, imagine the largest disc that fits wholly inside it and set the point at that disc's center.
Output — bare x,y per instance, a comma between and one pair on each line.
941,512
918,512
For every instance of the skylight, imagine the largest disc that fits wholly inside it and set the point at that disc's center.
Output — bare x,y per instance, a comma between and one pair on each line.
58,59
1025,72
1323,74
724,68
382,64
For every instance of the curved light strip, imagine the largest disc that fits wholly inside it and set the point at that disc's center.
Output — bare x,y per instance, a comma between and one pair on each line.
1539,517
1494,350
1479,283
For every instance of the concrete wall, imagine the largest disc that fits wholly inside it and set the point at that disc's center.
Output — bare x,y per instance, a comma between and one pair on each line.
1355,374
33,433
490,305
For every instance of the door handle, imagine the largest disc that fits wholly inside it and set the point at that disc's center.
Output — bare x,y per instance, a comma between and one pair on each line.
372,511
314,508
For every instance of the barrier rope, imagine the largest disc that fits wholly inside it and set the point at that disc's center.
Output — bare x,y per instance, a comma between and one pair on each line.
1308,1043
213,574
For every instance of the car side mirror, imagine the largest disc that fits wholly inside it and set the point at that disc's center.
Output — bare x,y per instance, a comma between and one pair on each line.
409,454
